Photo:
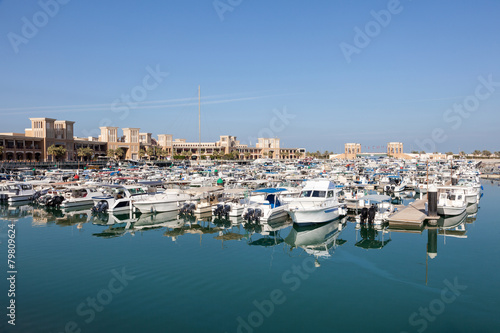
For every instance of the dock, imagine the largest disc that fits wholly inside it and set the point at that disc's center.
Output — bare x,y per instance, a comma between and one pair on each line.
411,216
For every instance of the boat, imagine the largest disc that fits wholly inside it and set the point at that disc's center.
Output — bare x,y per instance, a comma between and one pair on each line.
79,196
160,202
19,191
451,200
118,198
265,205
317,203
376,209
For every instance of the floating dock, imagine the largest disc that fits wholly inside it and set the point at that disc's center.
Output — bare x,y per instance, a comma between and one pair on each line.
411,216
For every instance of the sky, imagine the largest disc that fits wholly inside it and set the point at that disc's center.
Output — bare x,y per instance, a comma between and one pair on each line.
315,74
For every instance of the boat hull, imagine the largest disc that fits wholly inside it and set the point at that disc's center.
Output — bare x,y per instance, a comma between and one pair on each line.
313,216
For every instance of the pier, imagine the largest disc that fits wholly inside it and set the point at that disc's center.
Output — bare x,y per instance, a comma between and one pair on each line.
411,216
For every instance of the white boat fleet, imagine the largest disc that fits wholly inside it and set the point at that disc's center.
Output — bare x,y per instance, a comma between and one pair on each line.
307,192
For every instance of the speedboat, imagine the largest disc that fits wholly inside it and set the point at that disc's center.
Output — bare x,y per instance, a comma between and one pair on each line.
265,205
79,196
118,198
317,203
160,202
376,209
19,192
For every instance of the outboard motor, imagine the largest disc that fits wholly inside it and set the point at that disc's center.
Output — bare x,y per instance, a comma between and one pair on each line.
188,208
364,214
248,214
55,201
227,209
37,195
218,210
257,214
100,207
371,214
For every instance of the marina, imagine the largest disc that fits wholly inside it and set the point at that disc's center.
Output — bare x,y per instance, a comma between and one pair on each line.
201,235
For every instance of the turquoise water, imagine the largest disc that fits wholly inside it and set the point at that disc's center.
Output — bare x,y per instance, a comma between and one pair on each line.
219,277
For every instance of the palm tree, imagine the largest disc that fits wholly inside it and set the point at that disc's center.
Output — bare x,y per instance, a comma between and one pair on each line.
142,153
1,151
110,153
119,153
56,152
486,153
476,152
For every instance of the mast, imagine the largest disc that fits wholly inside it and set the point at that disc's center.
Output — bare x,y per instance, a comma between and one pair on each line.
199,124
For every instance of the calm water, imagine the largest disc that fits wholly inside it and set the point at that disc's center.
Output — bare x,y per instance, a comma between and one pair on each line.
218,277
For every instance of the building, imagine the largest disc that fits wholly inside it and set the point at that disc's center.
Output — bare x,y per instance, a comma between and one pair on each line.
45,132
353,150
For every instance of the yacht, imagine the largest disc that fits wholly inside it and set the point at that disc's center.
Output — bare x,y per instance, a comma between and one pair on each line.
317,203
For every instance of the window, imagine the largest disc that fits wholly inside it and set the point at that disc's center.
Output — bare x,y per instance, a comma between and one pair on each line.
319,194
305,194
330,194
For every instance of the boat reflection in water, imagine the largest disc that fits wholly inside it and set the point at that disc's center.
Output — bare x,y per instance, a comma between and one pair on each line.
118,225
371,237
317,240
159,220
453,226
268,233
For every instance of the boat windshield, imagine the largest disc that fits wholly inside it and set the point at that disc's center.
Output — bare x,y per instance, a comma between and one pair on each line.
319,194
305,194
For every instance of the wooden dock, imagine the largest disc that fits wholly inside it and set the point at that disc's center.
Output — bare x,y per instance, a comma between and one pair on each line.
411,216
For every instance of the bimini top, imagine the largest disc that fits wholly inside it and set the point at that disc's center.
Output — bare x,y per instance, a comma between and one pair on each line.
269,190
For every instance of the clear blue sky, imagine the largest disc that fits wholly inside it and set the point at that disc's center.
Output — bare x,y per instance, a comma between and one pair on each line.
261,58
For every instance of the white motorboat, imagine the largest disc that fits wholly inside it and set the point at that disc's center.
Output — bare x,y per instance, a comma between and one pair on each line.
265,205
79,196
451,200
317,203
118,198
19,192
376,209
167,201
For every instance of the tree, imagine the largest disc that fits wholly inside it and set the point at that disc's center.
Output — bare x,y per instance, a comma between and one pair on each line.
142,153
119,153
247,155
110,153
462,153
486,153
1,151
56,152
85,152
414,152
476,152
449,153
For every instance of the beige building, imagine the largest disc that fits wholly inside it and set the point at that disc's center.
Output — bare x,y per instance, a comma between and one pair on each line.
45,132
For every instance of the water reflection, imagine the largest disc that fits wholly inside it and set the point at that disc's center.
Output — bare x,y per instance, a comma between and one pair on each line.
319,241
372,237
